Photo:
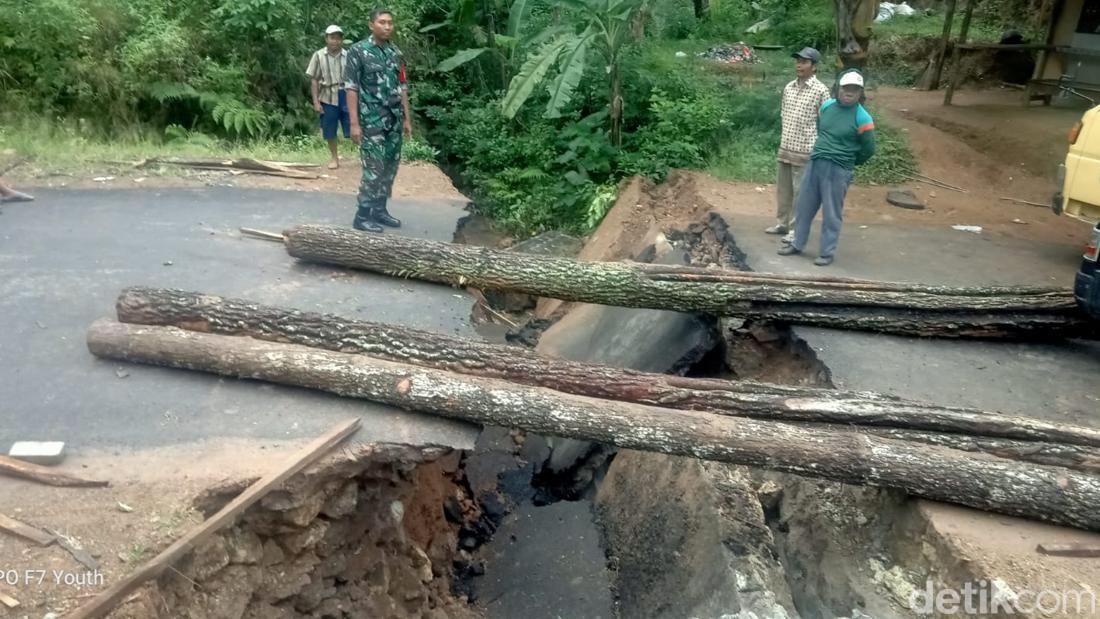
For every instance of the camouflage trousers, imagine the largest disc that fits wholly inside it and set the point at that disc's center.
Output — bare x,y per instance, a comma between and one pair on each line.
380,154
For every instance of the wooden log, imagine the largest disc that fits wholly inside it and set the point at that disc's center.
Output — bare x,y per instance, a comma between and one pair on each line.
953,325
1081,551
1046,493
1075,457
213,314
44,475
106,601
635,285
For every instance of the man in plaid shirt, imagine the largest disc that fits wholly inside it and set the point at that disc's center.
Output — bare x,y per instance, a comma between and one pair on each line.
802,101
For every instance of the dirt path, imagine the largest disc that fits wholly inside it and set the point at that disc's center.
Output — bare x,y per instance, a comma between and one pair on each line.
988,144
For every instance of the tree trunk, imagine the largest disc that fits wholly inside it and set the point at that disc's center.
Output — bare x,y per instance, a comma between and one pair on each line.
1045,493
616,104
702,8
212,314
1086,459
684,289
1037,326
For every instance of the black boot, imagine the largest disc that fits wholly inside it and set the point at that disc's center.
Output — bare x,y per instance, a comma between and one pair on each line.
382,216
364,220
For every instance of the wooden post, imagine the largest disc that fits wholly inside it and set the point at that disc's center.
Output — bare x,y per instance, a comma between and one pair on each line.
964,32
1044,54
945,45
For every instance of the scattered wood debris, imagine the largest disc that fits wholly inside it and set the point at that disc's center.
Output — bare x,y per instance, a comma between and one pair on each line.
43,475
1085,551
25,531
242,166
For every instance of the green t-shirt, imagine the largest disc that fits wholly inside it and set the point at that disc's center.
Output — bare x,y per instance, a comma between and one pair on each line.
845,135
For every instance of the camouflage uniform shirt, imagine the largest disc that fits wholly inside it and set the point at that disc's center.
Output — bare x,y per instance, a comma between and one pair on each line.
377,72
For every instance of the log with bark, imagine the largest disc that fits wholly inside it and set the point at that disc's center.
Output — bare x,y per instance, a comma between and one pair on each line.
209,313
1045,493
692,289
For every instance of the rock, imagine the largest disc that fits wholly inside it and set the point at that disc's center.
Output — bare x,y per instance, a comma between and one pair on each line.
338,534
305,513
208,559
423,565
244,546
316,592
343,502
286,580
273,553
230,592
309,538
441,550
770,493
904,198
493,508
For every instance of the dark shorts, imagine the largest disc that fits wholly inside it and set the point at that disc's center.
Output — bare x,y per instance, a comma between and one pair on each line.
331,115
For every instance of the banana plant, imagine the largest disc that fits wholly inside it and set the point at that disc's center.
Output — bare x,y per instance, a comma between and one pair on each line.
601,25
503,46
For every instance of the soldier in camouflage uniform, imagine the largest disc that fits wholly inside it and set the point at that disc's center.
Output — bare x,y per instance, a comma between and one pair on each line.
377,93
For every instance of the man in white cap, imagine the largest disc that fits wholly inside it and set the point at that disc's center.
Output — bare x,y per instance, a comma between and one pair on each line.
802,101
846,139
326,73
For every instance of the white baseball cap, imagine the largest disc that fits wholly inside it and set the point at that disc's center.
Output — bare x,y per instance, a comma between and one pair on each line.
851,79
334,29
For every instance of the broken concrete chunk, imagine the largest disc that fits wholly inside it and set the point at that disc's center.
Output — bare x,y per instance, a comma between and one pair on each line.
46,453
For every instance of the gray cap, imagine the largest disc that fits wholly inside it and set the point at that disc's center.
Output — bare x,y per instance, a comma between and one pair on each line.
808,53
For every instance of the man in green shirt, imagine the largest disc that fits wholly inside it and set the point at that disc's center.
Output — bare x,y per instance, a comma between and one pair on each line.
378,97
845,139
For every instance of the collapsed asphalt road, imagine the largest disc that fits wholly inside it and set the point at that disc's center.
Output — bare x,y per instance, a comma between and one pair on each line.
64,258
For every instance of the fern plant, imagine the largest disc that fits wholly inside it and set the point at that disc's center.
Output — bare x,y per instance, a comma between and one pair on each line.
227,112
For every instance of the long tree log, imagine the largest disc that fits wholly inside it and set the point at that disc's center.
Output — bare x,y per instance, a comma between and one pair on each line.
1075,457
1045,493
957,325
200,312
638,285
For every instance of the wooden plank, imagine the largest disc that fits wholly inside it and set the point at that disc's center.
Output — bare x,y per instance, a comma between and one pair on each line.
9,601
1006,46
45,475
110,597
25,531
1084,551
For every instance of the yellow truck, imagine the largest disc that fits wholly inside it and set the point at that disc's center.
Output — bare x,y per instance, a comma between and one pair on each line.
1079,197
1079,176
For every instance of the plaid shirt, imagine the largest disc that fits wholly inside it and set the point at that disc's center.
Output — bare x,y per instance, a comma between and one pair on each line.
801,106
328,69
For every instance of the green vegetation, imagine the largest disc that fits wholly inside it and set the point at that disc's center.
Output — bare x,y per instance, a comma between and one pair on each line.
537,107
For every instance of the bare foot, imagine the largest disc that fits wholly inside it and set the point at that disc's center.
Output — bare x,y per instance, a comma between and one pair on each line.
332,165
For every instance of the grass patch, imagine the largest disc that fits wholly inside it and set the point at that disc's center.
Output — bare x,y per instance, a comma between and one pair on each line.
66,147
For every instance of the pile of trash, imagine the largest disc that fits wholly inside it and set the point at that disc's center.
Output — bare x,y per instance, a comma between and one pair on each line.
735,53
888,10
